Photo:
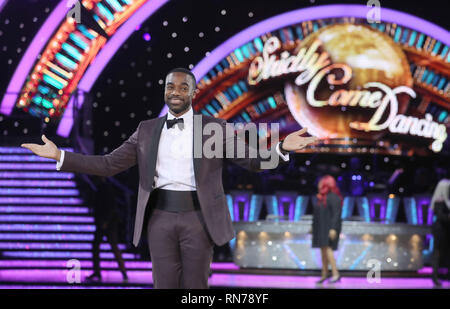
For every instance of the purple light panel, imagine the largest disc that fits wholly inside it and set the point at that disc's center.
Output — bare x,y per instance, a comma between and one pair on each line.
38,175
54,246
28,166
24,150
63,264
38,236
103,264
424,202
44,209
382,202
40,200
46,192
47,228
45,218
24,158
312,13
38,183
61,254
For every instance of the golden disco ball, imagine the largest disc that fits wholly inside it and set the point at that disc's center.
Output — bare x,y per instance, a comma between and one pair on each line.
372,56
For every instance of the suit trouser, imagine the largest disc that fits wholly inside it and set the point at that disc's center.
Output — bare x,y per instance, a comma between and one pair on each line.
180,248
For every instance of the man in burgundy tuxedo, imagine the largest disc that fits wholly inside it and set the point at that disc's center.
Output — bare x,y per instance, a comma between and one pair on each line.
181,202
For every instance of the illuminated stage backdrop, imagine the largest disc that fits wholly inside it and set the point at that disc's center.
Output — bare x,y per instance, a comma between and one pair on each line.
45,86
360,87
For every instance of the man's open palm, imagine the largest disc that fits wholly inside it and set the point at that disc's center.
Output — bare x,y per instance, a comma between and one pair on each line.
48,150
295,140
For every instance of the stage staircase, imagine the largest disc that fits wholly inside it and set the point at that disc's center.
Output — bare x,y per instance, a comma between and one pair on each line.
46,229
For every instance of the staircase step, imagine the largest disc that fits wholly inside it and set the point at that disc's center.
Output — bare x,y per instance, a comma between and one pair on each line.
41,200
39,191
63,254
44,209
62,264
38,183
44,222
47,228
45,219
36,175
47,236
28,166
23,158
10,150
54,246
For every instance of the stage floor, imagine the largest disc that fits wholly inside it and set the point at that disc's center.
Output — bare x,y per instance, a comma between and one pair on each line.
225,275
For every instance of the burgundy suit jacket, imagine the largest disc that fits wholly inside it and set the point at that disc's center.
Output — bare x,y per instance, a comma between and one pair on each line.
142,149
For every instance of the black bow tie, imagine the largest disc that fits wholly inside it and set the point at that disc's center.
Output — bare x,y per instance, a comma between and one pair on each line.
171,122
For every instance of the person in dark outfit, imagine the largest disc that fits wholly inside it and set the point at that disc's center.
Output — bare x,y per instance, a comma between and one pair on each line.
326,225
107,218
440,204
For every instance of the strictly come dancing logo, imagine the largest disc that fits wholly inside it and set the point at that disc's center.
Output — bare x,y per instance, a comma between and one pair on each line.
347,81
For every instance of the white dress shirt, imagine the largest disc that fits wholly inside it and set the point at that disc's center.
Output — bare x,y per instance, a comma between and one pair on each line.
175,164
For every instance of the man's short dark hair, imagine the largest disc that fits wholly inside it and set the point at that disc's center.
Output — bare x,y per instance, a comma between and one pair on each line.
185,71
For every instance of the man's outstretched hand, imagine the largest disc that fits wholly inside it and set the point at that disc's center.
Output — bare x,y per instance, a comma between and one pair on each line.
295,141
48,150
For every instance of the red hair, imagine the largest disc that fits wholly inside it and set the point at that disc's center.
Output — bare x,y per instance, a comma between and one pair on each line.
326,185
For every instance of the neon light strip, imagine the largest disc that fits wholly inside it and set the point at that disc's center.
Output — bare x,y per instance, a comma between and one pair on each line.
236,209
23,150
413,211
16,158
30,56
246,209
39,191
38,183
390,206
360,258
45,218
293,257
47,228
46,236
230,206
53,246
63,264
307,14
27,166
58,254
54,175
275,206
104,56
44,209
40,200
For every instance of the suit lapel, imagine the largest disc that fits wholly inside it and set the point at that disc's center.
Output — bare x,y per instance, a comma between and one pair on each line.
152,149
196,145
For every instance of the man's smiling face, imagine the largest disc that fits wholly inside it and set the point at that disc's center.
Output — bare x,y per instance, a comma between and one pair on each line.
179,92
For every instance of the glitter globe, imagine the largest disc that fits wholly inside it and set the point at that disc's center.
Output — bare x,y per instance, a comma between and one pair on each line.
372,56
